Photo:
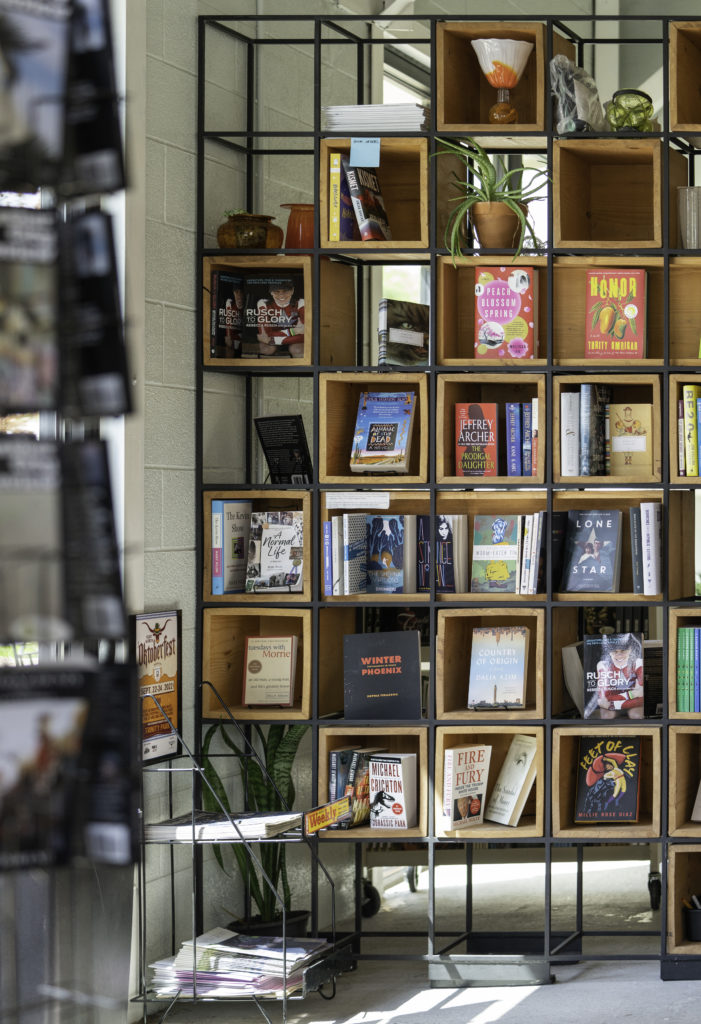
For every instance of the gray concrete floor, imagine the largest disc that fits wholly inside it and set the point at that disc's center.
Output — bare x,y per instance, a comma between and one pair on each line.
505,899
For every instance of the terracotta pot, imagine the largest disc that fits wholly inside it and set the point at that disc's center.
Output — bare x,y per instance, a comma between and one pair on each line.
300,226
497,226
249,231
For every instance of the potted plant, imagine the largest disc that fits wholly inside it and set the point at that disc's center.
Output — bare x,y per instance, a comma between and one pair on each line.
492,198
267,791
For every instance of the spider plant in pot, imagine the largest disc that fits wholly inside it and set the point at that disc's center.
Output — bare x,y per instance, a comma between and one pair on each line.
493,198
266,792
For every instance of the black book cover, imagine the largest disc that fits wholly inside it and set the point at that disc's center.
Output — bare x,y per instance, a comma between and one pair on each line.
228,302
382,675
29,348
94,370
613,675
94,161
274,314
34,41
608,779
284,444
592,557
423,554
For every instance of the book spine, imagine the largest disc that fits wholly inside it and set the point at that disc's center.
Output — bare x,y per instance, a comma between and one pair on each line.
382,333
337,555
681,456
697,670
536,533
334,197
513,439
328,559
519,550
447,784
683,668
354,553
534,437
410,568
585,428
651,536
607,439
217,546
636,549
527,441
213,288
691,457
569,433
423,554
698,432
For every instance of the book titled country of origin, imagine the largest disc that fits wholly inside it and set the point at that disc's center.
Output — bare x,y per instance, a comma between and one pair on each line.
383,431
368,203
608,779
498,663
382,675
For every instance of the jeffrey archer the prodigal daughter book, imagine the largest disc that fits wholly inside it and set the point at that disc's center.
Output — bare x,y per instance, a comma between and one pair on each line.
608,779
382,675
476,430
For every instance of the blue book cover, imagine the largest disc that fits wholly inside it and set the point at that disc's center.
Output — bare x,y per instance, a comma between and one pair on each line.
328,560
382,434
385,554
527,439
513,439
217,546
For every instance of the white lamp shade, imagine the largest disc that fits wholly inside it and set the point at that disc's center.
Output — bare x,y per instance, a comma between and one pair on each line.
502,60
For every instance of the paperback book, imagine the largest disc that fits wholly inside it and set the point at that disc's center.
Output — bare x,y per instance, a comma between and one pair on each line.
385,553
343,227
506,312
284,443
630,429
393,791
228,314
496,554
614,675
270,664
383,430
275,552
592,560
514,781
615,310
466,771
358,787
476,439
608,779
594,400
382,675
274,314
451,553
402,333
368,203
231,526
498,664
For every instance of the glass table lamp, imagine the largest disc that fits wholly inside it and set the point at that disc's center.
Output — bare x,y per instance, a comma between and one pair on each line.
502,62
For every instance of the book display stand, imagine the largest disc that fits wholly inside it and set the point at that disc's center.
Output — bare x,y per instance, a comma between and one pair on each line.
612,203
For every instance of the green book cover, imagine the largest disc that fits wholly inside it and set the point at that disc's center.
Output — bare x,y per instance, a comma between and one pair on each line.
495,554
684,666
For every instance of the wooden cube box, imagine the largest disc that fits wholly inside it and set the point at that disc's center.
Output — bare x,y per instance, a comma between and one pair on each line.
455,343
339,394
569,305
607,193
484,387
625,389
224,632
683,878
685,301
499,738
454,647
262,501
564,784
395,740
685,76
684,778
676,392
681,581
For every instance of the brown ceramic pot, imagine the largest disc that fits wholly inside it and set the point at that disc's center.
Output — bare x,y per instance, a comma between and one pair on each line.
249,231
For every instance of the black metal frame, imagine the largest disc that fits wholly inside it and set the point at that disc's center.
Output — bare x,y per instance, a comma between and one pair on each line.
548,948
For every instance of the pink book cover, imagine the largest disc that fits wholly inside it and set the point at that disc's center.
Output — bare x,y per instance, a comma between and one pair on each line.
506,312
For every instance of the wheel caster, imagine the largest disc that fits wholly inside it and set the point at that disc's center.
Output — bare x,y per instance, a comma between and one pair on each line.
412,877
654,887
371,899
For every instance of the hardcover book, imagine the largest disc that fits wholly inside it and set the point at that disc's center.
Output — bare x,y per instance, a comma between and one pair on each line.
274,314
343,226
631,439
269,670
608,779
593,401
651,518
613,675
592,560
393,791
423,554
383,429
476,439
402,333
496,554
514,781
514,439
358,787
466,770
368,204
284,444
498,664
228,314
615,310
354,572
569,433
275,552
382,675
506,312
231,524
451,554
385,554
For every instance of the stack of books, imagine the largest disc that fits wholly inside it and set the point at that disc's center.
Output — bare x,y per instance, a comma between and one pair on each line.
215,827
381,117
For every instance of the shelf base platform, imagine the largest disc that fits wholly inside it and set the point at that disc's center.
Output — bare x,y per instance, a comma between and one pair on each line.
488,971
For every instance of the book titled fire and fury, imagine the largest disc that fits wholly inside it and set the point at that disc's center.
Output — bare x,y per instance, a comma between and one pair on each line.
476,439
466,770
393,799
608,779
615,314
506,312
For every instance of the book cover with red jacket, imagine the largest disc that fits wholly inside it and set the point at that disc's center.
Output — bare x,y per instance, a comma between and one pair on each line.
506,312
476,439
615,314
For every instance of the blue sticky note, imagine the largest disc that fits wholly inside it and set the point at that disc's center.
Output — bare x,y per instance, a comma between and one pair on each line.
365,153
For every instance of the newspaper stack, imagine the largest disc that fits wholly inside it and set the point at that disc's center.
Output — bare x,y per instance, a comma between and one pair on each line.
215,827
377,117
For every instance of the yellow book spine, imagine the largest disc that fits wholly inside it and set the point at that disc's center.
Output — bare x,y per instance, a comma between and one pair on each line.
334,197
690,393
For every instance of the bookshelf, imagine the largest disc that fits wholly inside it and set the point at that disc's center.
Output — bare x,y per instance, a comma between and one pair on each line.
612,204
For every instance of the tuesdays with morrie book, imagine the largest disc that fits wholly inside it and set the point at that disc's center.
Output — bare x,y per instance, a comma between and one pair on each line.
383,429
608,779
476,439
514,781
495,554
393,791
506,312
615,311
269,670
275,552
368,204
466,770
498,662
382,675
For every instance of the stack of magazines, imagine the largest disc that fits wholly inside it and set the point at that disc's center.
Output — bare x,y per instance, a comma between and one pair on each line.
226,964
215,827
380,117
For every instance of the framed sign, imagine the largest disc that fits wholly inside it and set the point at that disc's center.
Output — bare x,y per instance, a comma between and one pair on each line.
156,638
